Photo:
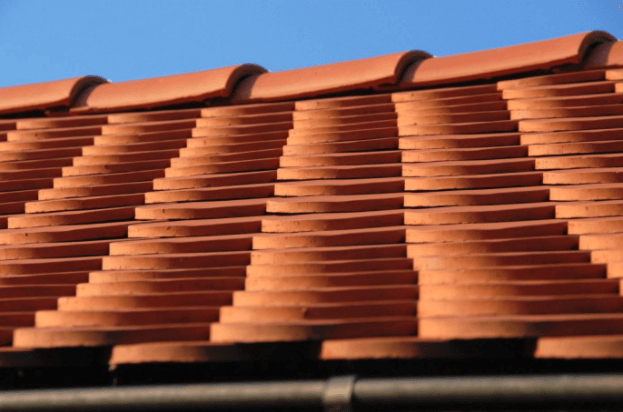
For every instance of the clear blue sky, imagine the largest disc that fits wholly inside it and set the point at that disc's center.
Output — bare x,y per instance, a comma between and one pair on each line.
131,39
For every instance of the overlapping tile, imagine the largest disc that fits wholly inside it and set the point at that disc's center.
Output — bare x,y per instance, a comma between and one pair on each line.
395,223
153,283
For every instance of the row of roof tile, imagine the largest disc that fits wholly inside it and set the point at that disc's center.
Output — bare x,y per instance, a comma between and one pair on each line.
251,83
410,224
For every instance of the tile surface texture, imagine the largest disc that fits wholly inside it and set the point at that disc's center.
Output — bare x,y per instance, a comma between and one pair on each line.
397,207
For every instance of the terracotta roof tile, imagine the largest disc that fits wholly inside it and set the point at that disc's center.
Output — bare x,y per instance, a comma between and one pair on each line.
409,347
552,79
516,326
163,91
580,347
607,55
542,55
98,336
204,351
43,96
615,74
60,122
414,224
331,78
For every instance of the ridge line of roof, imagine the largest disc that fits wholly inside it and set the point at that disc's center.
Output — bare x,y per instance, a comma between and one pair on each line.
248,83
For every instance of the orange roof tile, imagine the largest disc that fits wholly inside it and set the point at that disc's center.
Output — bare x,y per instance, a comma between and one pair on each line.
606,55
164,91
487,64
331,78
390,221
42,96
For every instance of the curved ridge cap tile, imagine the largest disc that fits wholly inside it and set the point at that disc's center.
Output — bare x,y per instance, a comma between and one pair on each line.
164,91
328,78
486,64
42,96
606,55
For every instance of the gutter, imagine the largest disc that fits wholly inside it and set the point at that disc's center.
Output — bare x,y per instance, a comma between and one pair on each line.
346,393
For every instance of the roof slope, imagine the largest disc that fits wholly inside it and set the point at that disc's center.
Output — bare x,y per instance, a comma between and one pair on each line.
390,221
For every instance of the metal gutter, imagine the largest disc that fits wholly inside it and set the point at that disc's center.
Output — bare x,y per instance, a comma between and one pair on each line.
336,394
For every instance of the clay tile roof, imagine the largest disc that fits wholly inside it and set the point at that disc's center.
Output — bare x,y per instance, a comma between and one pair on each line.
42,96
487,64
164,91
482,218
328,78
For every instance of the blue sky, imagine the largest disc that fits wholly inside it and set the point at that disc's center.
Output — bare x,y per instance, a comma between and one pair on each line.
123,40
